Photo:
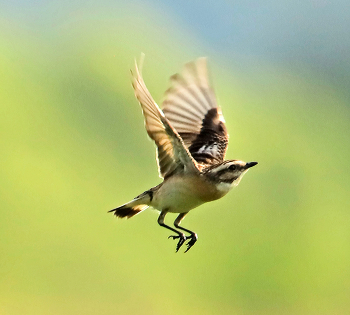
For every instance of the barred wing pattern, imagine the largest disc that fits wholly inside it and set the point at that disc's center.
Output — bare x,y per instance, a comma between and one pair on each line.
190,106
173,156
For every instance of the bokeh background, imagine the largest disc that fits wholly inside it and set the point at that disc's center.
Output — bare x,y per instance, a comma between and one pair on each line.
73,146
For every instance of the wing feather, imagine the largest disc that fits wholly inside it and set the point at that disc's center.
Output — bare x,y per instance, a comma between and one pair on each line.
190,106
173,155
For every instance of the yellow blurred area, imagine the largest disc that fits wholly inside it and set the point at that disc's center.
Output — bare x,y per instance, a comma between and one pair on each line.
73,146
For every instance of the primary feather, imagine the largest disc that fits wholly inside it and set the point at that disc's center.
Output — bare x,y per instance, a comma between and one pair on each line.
190,106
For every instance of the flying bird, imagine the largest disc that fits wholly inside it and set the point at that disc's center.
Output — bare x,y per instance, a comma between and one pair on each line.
191,138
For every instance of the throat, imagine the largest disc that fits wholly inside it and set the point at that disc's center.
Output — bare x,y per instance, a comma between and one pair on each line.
224,187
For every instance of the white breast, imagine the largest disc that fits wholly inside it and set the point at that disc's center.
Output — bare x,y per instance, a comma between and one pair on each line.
177,194
183,193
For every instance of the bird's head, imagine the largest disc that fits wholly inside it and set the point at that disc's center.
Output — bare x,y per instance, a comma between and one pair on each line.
229,172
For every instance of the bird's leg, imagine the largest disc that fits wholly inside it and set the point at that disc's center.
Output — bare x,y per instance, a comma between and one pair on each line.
180,236
193,237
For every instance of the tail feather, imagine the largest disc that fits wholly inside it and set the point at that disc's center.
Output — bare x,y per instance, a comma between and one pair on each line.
128,212
133,207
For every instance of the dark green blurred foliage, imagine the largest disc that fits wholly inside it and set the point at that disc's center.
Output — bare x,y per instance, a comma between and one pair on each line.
73,146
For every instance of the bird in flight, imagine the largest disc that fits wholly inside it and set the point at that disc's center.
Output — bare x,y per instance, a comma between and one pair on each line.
191,139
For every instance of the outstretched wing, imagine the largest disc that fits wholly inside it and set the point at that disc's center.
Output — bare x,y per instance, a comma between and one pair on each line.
173,155
190,106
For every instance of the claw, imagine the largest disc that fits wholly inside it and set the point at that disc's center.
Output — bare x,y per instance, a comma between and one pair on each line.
193,240
182,238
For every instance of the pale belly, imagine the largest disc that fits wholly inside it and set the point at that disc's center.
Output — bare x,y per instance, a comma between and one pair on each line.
179,194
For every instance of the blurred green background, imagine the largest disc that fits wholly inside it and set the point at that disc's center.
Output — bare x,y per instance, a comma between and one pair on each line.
73,146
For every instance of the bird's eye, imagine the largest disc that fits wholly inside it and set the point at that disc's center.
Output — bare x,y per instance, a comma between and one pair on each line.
232,167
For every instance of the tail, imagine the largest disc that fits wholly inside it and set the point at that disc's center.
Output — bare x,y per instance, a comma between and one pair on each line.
133,207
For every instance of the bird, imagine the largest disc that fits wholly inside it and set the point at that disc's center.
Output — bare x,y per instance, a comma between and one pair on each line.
191,139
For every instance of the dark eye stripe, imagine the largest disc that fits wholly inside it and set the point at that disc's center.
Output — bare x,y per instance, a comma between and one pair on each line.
223,171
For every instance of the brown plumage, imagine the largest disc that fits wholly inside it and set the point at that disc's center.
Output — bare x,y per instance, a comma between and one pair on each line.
191,139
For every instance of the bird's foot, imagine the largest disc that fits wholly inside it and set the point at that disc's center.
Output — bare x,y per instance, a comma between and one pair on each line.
182,238
193,239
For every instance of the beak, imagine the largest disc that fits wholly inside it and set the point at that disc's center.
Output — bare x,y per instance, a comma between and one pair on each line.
250,164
